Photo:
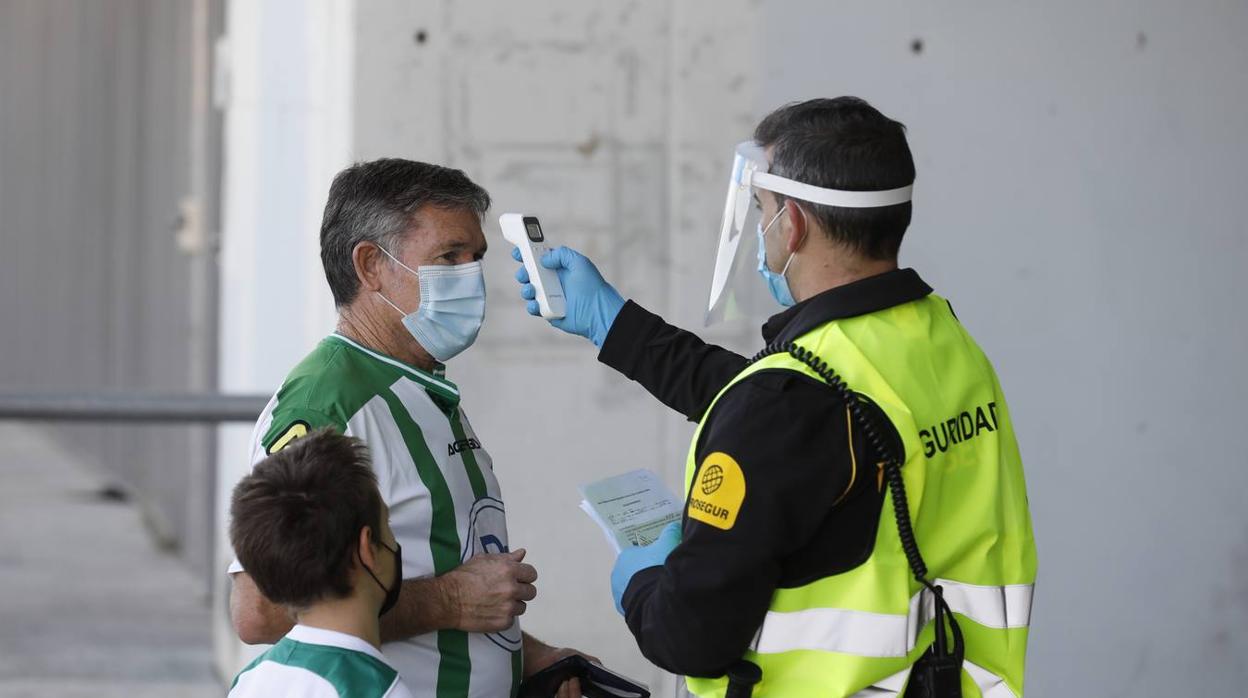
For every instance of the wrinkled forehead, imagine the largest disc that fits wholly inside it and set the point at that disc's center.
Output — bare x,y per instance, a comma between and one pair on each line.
440,227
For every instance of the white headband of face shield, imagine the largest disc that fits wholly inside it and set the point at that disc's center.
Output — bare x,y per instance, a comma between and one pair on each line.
757,176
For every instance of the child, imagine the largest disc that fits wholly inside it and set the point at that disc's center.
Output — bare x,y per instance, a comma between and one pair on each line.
312,530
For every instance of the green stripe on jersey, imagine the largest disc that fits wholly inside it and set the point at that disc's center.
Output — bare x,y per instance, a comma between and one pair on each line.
479,490
517,672
455,665
469,458
353,674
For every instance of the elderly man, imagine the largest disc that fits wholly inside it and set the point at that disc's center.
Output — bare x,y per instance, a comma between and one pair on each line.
401,244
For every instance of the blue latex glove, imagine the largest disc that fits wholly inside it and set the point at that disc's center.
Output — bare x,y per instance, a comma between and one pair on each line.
633,560
592,303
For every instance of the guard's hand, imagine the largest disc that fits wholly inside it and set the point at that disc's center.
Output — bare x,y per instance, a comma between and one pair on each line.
592,303
489,591
633,560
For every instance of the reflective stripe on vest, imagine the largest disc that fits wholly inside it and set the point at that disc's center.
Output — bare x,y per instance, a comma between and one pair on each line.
886,635
886,688
990,685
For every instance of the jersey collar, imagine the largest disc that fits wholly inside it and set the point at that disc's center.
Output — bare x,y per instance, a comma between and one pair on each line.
434,381
332,638
861,297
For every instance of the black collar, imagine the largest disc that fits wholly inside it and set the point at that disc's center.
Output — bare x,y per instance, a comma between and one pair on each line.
858,298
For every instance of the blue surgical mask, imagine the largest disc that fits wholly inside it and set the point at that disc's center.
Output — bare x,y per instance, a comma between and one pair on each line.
452,307
777,284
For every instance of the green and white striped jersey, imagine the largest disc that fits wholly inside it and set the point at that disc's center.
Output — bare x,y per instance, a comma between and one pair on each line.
317,663
445,503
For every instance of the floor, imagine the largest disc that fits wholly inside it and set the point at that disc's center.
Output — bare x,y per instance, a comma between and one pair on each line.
89,606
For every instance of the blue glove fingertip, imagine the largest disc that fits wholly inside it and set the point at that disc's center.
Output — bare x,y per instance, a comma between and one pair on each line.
528,292
515,254
533,308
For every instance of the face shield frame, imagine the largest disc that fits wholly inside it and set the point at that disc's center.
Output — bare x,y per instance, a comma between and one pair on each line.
733,290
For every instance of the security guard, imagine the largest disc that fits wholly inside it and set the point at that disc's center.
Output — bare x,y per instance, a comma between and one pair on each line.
857,521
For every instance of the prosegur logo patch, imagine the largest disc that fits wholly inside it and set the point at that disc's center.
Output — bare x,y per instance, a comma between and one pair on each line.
716,498
712,479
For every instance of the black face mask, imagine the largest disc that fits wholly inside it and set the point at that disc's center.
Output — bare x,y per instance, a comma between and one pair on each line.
396,586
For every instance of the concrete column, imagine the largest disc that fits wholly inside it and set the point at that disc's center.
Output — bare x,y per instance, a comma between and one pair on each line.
284,82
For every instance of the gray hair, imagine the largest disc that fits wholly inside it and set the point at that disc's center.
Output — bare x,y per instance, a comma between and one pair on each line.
375,201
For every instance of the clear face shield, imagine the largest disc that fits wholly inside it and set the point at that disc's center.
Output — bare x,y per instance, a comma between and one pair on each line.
737,290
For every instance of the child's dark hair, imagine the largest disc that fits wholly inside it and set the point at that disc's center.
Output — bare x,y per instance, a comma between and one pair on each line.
295,520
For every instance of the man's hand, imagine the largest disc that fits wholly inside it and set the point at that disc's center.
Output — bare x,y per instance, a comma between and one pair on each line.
489,591
484,594
539,655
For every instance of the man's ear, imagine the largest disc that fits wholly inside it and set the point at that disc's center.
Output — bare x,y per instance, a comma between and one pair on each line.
799,226
365,544
368,261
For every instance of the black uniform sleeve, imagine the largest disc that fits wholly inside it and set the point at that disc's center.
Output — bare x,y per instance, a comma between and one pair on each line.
789,436
674,365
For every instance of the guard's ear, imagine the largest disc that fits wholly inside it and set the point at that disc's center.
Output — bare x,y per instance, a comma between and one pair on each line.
799,226
369,262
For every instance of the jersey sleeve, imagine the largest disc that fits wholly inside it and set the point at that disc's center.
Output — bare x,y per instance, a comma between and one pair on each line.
773,460
290,423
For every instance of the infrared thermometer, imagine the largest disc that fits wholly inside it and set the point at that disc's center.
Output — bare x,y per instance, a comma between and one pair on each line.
525,232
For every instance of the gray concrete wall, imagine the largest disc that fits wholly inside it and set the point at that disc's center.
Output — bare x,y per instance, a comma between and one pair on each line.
1080,167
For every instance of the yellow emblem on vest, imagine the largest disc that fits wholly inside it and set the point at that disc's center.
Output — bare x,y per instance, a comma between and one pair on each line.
292,432
715,498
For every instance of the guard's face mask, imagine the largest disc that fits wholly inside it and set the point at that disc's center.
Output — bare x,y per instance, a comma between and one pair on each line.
777,284
734,290
396,583
452,307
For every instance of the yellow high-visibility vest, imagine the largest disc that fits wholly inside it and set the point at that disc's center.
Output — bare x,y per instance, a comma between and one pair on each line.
858,633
